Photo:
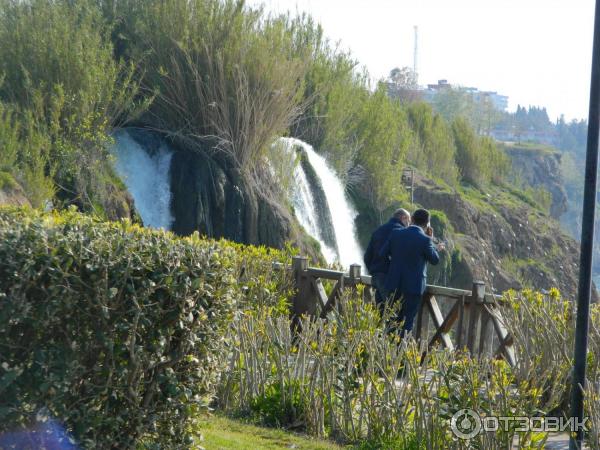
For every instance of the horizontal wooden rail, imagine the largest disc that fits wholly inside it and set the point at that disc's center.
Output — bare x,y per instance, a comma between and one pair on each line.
334,275
466,320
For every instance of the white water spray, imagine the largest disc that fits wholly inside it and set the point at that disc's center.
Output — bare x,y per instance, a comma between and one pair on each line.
146,178
304,203
342,212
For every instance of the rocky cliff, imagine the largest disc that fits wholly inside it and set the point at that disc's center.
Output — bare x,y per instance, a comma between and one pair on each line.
539,166
502,241
11,193
218,201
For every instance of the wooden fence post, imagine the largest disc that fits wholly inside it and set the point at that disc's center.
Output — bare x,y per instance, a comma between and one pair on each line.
303,303
354,273
477,298
460,326
422,328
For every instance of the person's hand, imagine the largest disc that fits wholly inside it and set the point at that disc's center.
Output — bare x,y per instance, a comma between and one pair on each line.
429,231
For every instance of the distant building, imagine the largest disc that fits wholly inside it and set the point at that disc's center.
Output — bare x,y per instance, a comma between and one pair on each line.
549,137
500,102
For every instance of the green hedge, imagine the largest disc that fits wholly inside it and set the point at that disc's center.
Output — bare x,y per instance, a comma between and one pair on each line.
116,331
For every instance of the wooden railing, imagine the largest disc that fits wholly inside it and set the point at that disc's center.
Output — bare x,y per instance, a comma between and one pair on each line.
457,319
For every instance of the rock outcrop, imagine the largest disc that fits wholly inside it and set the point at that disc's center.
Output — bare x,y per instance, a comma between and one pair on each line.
540,167
13,195
220,202
505,245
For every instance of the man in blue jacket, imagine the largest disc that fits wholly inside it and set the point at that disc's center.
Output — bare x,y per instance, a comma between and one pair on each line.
378,265
410,249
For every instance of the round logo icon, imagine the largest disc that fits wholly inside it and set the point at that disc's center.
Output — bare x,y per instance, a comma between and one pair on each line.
465,424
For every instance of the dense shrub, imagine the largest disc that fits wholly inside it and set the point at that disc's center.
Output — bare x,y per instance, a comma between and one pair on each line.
339,378
64,91
57,52
434,149
478,158
228,78
116,331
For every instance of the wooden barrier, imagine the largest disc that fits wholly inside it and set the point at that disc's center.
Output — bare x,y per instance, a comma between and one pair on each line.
466,320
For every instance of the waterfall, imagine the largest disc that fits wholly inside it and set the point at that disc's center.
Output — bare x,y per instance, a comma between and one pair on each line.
302,195
337,208
146,176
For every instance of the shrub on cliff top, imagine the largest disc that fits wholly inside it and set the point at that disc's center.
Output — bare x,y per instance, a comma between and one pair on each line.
113,330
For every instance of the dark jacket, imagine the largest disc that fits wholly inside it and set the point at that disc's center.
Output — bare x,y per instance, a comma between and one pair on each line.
410,250
373,262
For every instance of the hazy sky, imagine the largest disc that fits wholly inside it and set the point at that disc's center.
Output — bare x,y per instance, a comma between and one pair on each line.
537,52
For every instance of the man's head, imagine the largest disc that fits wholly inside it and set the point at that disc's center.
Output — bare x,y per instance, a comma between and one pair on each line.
420,218
403,216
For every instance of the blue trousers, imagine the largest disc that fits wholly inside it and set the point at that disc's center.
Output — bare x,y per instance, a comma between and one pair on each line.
378,281
411,303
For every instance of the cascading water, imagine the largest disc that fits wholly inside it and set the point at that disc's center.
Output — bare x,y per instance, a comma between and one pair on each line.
341,211
147,179
303,200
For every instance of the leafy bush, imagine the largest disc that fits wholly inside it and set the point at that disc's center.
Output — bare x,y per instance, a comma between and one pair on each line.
24,156
228,78
62,91
117,331
56,52
275,408
340,376
478,158
434,148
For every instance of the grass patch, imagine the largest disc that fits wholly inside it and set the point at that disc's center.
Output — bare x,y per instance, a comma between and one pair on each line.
7,181
481,200
517,266
219,432
531,146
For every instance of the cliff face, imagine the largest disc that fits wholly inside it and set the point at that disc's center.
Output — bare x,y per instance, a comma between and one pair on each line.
540,167
13,195
219,202
502,242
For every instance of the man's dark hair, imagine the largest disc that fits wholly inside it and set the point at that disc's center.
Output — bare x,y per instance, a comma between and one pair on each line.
420,217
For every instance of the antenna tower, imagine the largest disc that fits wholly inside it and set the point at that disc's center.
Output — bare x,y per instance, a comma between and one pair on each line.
415,55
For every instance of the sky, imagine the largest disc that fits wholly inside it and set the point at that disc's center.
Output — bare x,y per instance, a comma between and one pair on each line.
537,52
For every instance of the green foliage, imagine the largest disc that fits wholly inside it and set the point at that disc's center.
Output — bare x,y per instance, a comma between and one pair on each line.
385,137
442,272
541,198
9,139
114,330
335,93
57,52
24,157
7,181
227,78
278,405
479,159
62,91
434,149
